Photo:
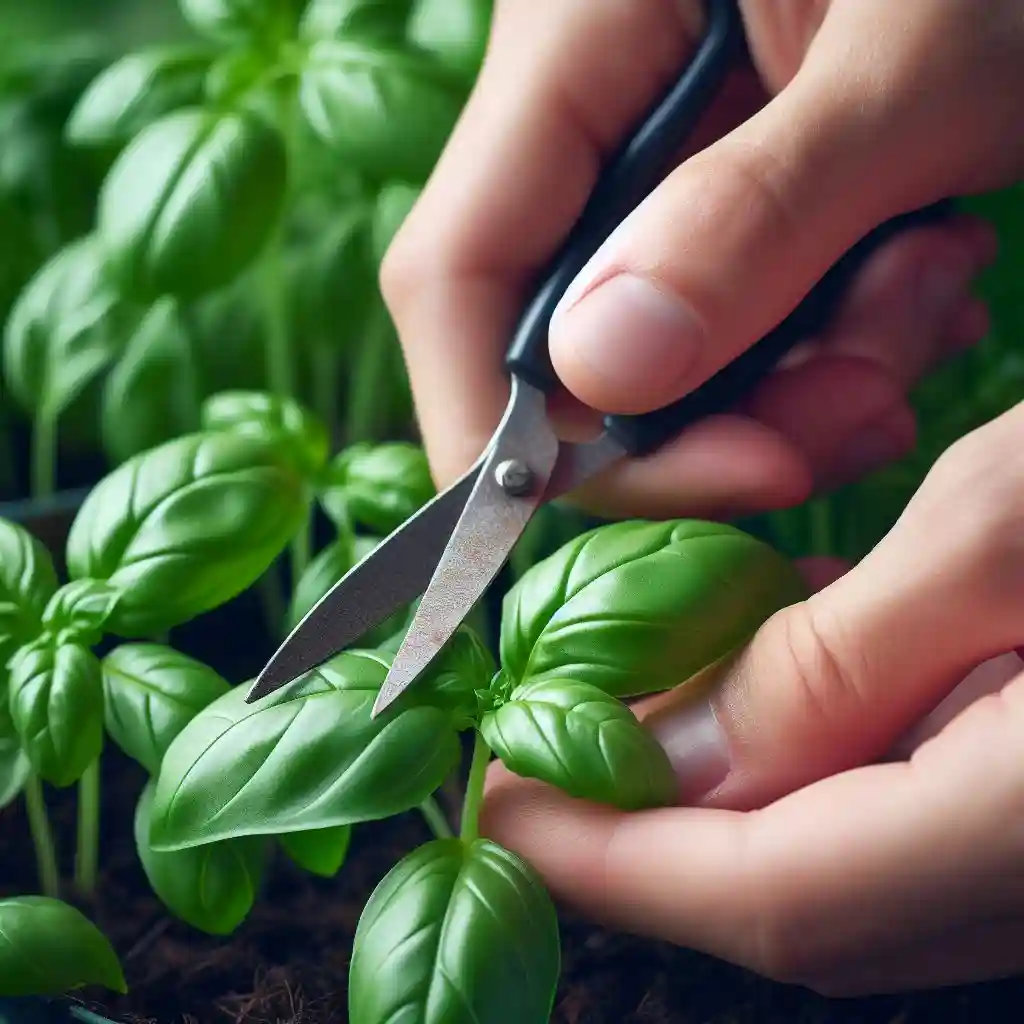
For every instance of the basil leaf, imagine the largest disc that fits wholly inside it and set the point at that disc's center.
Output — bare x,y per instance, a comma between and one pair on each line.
459,934
390,113
464,667
151,395
14,765
183,528
377,486
27,582
78,611
235,21
56,704
454,31
49,948
319,851
62,331
135,91
394,202
150,693
280,420
578,738
191,202
640,607
308,756
370,21
212,887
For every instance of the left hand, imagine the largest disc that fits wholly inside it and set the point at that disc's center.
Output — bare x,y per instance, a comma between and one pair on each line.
823,845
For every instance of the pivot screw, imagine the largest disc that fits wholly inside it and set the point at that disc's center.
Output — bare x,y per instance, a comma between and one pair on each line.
514,477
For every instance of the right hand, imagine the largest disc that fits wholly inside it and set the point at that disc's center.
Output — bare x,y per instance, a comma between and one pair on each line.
877,107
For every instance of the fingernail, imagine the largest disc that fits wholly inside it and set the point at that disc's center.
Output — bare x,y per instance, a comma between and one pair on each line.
625,327
874,446
696,745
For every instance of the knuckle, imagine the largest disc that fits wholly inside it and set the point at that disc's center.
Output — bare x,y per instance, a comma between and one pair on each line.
400,273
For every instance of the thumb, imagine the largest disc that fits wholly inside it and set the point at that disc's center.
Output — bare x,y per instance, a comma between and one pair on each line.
732,241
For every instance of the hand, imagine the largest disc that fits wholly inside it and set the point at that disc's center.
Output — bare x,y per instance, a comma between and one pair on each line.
878,108
818,846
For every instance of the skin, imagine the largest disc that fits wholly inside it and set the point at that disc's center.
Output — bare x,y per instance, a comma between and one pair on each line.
814,843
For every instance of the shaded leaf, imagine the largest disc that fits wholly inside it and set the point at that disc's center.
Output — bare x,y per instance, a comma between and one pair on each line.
320,851
454,31
14,764
27,582
78,611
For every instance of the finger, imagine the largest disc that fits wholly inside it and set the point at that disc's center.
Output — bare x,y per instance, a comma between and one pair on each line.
734,238
515,175
834,682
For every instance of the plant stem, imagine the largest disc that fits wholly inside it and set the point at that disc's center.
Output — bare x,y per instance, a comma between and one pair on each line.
280,368
302,547
44,455
436,821
87,859
470,829
42,837
273,601
369,379
326,365
822,540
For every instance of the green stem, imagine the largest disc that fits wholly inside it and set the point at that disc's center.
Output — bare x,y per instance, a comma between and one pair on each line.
302,547
434,816
822,539
326,364
87,859
369,380
44,455
475,790
42,837
273,601
280,368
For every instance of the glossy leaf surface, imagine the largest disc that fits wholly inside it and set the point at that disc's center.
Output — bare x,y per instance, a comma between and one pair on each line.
14,765
243,20
308,756
49,948
27,582
78,611
456,935
320,851
191,202
185,527
56,704
369,21
640,607
150,693
390,113
578,738
212,887
454,31
135,91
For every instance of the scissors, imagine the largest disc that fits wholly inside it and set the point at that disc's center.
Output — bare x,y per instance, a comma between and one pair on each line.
453,548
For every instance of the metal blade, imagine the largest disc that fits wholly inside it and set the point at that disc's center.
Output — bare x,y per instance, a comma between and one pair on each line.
396,572
484,536
578,462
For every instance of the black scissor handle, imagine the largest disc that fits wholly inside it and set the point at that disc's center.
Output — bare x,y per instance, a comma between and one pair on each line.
629,179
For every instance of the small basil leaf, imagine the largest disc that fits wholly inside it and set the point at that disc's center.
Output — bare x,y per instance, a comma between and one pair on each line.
49,948
150,395
459,934
14,765
454,31
319,851
184,527
394,201
62,331
135,91
463,667
588,744
377,486
191,202
233,21
150,693
307,757
280,420
78,611
56,702
27,582
390,113
640,607
212,887
370,21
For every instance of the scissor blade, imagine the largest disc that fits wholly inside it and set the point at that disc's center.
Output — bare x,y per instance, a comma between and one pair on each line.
396,572
484,536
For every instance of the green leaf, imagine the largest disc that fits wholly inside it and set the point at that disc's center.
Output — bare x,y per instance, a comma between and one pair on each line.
184,527
377,486
390,113
454,31
370,21
78,611
307,757
27,582
62,331
640,607
578,738
320,851
49,948
233,21
191,202
463,667
394,201
212,887
135,91
56,703
14,764
150,693
151,396
280,421
459,934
